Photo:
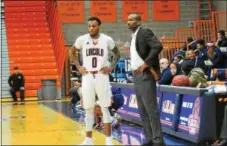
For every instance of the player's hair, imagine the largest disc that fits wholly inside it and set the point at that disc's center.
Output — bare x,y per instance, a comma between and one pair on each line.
137,16
94,18
15,68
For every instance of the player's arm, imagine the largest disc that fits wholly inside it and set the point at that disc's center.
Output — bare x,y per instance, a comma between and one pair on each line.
75,60
75,56
116,56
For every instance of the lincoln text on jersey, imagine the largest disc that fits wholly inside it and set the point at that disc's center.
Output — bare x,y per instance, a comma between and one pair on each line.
94,52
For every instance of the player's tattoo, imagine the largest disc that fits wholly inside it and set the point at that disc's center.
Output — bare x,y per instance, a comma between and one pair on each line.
75,57
116,56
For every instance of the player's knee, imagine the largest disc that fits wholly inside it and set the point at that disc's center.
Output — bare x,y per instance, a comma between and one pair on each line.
89,118
106,115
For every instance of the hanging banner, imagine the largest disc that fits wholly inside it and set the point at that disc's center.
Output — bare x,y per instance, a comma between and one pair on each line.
105,10
165,10
71,11
140,7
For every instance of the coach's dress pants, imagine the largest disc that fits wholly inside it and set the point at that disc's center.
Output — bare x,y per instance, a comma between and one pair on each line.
224,126
145,88
13,91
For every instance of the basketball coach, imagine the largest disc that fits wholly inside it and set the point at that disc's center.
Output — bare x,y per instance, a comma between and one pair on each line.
144,52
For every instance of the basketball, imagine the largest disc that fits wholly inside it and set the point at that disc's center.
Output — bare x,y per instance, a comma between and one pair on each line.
181,80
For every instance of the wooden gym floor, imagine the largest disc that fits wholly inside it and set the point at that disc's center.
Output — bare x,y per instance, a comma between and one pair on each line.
36,124
57,123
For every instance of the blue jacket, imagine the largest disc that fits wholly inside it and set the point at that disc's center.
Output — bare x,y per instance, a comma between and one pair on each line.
166,78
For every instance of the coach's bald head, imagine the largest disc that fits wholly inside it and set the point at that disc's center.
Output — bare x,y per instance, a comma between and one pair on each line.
134,21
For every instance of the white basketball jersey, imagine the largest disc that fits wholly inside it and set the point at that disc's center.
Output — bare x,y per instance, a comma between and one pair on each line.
94,53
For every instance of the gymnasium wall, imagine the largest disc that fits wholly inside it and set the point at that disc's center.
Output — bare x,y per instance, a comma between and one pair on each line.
119,30
219,5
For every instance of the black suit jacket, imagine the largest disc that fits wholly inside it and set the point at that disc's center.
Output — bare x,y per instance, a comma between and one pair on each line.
148,48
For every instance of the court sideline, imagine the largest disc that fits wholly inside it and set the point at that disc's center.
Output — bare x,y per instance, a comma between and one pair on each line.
35,123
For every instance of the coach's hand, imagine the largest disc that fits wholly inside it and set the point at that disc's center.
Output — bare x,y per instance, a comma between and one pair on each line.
106,70
142,68
82,70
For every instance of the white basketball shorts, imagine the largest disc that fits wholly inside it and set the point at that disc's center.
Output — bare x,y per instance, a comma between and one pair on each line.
97,84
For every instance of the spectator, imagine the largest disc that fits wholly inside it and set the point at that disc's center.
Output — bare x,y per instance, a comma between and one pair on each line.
175,69
75,92
192,61
178,59
213,57
16,82
192,44
180,52
201,49
164,63
166,77
222,40
220,76
197,78
169,73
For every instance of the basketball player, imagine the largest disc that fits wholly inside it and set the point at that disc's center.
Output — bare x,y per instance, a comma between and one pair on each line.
95,47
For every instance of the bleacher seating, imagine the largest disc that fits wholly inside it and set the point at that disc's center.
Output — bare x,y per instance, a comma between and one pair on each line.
5,62
29,44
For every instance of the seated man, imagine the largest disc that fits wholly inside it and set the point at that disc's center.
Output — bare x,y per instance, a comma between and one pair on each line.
75,92
16,82
192,61
169,73
164,63
201,49
214,56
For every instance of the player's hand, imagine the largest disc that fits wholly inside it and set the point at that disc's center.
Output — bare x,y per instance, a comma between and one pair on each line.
106,70
142,68
82,70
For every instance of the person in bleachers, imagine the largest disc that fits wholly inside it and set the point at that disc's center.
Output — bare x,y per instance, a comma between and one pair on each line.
180,52
168,74
222,39
191,44
201,49
191,61
16,82
197,78
164,63
222,44
213,57
75,92
219,76
178,59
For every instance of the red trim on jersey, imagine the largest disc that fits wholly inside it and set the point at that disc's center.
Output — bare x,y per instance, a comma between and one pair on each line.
95,43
